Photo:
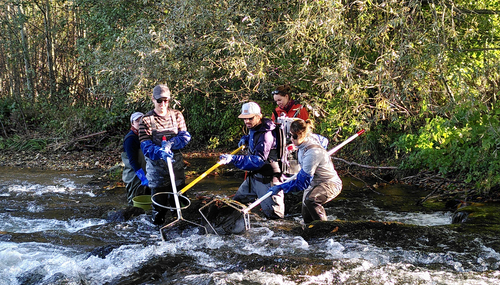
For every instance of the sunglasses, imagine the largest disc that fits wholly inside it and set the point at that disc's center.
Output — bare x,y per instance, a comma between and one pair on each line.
275,92
294,136
249,119
159,101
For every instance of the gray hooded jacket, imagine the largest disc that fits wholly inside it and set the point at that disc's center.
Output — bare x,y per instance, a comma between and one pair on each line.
316,162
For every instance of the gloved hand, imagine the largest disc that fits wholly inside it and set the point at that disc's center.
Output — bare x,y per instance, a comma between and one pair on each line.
165,149
242,141
166,145
225,158
300,183
140,173
275,189
167,154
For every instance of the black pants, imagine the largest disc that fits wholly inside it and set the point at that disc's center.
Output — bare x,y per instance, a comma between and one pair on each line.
158,213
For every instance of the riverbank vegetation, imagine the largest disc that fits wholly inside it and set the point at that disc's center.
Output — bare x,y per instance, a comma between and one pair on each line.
422,77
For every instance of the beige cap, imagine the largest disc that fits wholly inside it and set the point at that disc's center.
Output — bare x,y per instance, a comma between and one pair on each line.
249,110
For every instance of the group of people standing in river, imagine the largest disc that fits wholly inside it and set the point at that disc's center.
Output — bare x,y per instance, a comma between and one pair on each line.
159,135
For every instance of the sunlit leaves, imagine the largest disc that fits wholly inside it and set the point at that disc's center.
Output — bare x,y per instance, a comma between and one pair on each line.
389,66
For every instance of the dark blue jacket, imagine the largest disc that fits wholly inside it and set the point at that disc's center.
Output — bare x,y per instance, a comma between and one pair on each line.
132,146
260,141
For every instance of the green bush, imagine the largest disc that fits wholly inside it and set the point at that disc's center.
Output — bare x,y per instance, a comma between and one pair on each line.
466,147
18,143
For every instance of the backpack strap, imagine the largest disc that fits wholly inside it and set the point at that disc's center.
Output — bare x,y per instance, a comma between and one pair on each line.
280,136
298,111
273,166
275,115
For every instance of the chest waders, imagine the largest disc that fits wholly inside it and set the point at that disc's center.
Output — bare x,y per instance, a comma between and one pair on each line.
159,171
132,182
314,197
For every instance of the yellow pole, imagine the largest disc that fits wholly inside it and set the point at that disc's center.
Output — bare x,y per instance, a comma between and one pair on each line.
206,173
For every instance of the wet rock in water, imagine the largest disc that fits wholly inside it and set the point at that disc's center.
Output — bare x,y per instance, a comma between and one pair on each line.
182,229
123,215
103,251
60,278
158,269
453,204
381,233
478,213
34,276
459,217
328,228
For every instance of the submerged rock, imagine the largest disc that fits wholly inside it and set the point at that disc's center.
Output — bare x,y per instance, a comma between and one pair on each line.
34,276
478,213
124,214
103,251
62,279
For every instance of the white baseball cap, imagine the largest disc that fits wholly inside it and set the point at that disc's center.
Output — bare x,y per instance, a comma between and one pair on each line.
249,110
135,116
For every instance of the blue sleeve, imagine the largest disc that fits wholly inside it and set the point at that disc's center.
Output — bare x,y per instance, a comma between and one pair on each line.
248,162
131,146
151,150
301,183
181,140
245,138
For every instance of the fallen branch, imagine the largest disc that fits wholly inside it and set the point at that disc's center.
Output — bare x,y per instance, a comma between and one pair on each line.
467,193
365,166
381,179
430,194
366,184
67,144
88,136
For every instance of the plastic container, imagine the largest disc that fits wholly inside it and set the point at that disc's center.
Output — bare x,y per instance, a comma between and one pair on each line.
142,201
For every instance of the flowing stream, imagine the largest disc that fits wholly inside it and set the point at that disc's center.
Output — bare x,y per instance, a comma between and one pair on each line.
55,229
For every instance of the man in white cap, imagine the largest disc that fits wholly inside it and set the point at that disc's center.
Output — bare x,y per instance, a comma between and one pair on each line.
133,174
163,122
261,162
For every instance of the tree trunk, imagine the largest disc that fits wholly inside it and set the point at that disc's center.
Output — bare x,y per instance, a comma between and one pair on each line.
48,41
27,63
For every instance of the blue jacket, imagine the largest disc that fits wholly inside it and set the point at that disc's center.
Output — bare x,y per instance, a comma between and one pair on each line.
132,146
260,140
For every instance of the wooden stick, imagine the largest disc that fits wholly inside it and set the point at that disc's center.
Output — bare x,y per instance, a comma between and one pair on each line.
365,166
88,136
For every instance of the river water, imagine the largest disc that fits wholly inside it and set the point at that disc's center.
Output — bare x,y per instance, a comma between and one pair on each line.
55,230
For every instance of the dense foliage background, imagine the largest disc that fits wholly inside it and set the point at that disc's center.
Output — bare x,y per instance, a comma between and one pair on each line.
421,76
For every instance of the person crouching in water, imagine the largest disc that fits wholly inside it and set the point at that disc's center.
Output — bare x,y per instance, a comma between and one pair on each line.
261,162
317,177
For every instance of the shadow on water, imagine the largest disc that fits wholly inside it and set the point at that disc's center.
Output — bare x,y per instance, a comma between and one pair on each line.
56,228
